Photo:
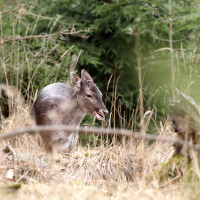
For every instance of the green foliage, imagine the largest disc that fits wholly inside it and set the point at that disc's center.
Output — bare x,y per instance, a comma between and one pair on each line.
111,46
30,64
109,49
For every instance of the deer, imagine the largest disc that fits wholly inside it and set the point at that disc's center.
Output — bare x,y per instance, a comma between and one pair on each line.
184,117
60,104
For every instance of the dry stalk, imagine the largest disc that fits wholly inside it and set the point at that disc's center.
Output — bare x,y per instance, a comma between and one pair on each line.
171,48
142,129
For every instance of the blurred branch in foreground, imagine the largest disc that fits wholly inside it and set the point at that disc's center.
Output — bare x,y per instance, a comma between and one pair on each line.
99,131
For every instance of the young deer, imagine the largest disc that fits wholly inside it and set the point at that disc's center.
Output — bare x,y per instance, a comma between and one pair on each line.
59,103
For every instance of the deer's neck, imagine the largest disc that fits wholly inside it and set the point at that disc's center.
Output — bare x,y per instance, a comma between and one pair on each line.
73,114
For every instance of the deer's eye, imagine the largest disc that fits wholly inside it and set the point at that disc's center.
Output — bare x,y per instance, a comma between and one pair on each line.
89,95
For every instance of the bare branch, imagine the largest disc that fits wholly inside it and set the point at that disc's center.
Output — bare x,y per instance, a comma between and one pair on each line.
98,131
17,8
65,32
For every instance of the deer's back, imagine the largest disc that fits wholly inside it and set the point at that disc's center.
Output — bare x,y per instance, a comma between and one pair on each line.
51,98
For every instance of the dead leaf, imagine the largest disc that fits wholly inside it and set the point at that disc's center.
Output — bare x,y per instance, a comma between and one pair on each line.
10,174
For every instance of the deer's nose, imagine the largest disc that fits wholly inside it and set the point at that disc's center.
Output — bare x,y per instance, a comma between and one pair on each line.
105,112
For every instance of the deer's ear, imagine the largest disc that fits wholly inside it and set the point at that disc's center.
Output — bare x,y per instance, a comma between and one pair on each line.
76,80
85,76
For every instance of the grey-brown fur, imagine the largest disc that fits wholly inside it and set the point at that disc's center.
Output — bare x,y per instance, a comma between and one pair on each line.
184,115
59,103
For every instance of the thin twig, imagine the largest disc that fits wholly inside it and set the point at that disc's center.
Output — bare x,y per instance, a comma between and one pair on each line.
34,15
98,131
17,8
14,155
171,49
65,32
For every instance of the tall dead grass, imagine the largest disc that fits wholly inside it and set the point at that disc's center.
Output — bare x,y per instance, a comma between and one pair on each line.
109,172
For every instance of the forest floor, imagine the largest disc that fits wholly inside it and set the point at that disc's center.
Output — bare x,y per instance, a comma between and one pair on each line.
112,171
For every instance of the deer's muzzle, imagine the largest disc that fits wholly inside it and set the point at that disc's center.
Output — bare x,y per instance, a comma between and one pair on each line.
101,114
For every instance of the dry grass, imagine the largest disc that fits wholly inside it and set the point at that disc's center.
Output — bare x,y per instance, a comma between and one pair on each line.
80,191
111,171
108,172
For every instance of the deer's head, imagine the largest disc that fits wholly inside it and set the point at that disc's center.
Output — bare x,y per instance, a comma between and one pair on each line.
89,97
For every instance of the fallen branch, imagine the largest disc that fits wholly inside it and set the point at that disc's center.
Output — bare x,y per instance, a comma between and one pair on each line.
99,131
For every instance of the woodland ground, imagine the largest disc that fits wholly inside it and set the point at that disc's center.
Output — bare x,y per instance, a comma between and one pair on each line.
103,172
